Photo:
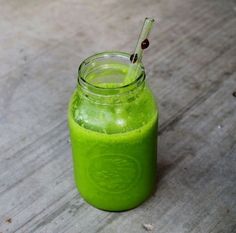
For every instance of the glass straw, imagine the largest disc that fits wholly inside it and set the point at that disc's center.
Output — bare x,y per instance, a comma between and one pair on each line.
142,44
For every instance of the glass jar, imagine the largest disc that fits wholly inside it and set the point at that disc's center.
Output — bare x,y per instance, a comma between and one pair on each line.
112,119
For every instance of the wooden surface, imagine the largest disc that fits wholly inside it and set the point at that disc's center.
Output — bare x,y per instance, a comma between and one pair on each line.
191,67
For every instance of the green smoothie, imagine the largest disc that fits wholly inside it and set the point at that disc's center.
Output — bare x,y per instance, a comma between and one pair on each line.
113,129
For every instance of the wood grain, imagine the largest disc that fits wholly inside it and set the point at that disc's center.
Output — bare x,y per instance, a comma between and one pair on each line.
191,68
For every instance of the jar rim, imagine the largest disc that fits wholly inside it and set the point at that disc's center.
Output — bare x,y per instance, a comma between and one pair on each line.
108,54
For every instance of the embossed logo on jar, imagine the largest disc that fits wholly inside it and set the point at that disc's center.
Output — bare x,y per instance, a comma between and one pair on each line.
114,173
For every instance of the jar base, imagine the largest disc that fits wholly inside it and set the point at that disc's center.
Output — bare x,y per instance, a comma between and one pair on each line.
110,208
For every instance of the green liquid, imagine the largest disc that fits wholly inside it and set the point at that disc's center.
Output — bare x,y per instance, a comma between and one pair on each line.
114,147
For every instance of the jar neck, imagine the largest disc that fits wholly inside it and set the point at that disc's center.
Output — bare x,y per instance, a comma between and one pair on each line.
106,78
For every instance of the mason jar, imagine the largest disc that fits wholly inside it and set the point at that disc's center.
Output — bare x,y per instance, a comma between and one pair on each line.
113,120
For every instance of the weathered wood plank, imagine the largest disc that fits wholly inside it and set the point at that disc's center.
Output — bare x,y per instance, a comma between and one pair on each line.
161,143
191,67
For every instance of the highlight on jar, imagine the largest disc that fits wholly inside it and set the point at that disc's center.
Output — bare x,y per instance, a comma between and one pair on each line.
113,123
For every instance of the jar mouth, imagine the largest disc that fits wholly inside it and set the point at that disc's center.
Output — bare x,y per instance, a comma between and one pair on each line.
106,73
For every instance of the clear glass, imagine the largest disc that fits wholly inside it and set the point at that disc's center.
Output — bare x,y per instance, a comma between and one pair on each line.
113,127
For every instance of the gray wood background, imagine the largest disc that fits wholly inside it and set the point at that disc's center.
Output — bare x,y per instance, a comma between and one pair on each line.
191,67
